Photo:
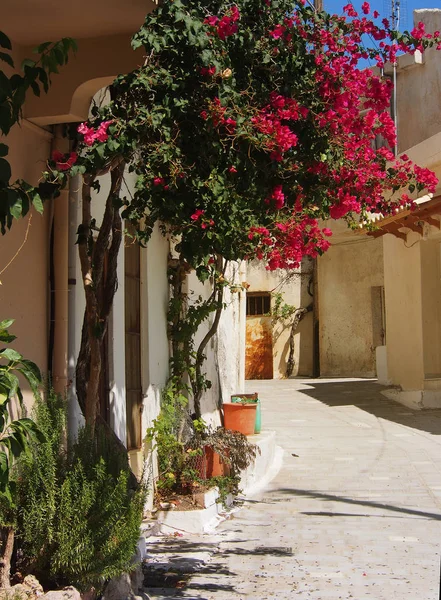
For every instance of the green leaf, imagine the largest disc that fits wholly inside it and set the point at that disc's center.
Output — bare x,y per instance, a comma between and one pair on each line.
4,466
35,88
5,171
31,370
7,59
37,203
42,47
42,75
6,337
11,354
5,86
17,444
28,63
5,118
16,206
101,150
5,42
6,323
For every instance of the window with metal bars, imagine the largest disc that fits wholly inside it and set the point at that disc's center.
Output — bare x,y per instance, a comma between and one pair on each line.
258,304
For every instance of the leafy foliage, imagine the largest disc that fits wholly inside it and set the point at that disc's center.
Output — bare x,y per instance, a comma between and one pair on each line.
166,435
17,197
15,435
79,519
245,125
181,443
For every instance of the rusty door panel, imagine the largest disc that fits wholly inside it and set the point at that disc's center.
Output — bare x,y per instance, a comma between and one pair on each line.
259,348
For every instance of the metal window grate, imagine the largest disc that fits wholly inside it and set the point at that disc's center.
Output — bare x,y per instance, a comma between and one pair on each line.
258,304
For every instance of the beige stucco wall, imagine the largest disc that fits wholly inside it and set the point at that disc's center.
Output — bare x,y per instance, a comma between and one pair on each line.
25,283
295,293
97,62
419,91
413,310
346,275
402,278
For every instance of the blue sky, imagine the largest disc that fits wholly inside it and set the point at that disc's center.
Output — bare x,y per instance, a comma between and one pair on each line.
335,6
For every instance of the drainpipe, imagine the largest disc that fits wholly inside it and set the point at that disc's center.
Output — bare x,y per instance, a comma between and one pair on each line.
315,322
59,291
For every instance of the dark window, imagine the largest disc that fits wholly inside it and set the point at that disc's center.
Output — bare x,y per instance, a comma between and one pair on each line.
258,304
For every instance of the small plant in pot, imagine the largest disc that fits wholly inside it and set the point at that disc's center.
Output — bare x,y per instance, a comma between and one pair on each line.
225,455
241,413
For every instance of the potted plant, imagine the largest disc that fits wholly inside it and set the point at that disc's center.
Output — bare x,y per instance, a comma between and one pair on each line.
241,413
221,451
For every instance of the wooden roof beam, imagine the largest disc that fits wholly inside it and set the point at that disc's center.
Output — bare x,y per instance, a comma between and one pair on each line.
431,221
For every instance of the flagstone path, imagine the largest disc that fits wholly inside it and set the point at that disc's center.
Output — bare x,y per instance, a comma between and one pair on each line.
354,512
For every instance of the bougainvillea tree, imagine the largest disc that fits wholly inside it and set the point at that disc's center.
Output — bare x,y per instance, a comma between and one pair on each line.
247,123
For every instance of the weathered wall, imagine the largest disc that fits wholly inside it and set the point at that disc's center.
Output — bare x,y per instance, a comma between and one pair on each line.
346,275
419,90
224,365
295,289
25,282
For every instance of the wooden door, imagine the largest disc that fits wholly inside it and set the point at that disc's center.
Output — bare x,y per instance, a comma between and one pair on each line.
132,292
259,338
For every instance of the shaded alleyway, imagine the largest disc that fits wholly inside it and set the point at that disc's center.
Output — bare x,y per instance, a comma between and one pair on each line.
355,511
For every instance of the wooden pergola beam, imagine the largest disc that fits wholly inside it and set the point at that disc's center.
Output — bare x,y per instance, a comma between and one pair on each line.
432,221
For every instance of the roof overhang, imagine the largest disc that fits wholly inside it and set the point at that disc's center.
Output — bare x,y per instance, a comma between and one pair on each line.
426,213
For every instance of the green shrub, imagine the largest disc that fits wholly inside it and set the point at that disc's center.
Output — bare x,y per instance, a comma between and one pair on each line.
79,519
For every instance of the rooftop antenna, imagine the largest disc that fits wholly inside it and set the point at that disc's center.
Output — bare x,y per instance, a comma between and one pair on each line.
396,12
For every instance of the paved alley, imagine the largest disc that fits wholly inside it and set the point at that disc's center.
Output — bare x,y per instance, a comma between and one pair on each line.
354,512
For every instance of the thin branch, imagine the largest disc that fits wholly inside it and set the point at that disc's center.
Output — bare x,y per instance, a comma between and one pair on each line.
20,248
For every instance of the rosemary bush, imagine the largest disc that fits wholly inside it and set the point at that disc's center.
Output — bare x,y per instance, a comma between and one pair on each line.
79,520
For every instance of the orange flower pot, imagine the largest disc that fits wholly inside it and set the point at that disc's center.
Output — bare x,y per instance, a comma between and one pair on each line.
240,417
211,464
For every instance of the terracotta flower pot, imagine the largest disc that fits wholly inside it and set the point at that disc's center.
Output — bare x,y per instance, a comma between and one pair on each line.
240,417
211,464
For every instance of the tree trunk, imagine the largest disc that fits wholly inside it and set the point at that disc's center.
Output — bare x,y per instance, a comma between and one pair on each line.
6,548
298,316
217,295
99,293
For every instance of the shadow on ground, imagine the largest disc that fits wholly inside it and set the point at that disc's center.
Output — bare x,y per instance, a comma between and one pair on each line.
170,566
367,396
403,511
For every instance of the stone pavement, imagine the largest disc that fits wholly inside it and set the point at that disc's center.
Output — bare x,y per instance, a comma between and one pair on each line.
354,512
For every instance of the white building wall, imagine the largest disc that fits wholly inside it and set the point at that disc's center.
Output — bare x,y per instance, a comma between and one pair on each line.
154,294
225,363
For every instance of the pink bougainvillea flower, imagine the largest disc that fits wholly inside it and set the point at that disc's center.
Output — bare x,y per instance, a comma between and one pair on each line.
230,125
232,169
197,214
61,162
88,133
91,136
57,156
277,197
158,181
277,32
365,7
227,25
208,70
211,21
